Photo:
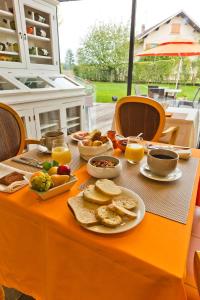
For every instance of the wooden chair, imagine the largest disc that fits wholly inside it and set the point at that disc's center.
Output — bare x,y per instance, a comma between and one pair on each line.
2,295
134,114
12,141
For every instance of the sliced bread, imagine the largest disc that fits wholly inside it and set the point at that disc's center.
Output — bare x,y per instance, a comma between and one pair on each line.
107,187
122,211
108,217
91,194
84,215
125,201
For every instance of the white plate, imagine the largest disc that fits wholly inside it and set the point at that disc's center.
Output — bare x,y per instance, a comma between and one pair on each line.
127,225
74,138
44,149
144,170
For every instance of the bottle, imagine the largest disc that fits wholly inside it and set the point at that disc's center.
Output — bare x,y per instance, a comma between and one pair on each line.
111,134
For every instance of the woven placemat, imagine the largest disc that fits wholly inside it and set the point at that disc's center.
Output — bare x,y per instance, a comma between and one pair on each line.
167,199
75,164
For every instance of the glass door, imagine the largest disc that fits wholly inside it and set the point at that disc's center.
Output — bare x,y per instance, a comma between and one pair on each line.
11,38
47,119
73,117
39,24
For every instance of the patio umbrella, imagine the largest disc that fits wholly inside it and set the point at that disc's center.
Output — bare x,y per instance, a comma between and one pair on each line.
174,48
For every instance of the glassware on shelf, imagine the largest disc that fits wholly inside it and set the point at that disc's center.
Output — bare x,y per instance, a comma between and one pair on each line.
111,134
61,152
134,150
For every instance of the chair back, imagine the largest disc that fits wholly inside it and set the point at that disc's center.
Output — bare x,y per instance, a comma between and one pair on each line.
134,114
197,269
12,139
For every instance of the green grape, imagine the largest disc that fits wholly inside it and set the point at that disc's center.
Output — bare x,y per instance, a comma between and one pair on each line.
47,165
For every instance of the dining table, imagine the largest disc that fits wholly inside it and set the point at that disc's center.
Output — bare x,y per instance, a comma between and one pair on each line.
46,254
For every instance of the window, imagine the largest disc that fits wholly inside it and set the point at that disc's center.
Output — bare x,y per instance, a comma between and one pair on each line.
175,28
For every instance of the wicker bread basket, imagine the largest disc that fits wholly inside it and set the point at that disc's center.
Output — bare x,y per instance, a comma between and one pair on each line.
87,152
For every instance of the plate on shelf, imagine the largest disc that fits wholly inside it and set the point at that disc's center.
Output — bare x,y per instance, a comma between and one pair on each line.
74,136
126,225
175,175
44,149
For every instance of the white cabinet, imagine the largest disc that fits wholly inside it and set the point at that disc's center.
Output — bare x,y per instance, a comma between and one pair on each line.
28,35
27,117
73,116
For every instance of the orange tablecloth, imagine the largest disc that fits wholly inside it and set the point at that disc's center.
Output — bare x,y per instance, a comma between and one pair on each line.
44,252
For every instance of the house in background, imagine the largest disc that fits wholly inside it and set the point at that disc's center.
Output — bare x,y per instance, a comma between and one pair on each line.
177,27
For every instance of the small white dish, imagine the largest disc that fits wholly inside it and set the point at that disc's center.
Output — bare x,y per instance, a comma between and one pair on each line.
103,172
44,149
127,225
175,175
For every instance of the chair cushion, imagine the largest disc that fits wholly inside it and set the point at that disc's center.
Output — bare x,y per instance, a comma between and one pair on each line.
196,223
194,246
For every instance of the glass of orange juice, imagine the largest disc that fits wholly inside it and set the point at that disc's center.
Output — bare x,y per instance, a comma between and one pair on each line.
134,150
61,152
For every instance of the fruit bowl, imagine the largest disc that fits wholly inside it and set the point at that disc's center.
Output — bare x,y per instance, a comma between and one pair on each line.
100,166
56,190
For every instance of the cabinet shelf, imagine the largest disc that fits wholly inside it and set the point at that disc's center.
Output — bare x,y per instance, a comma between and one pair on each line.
36,23
37,37
7,30
40,56
9,53
45,126
5,13
72,119
73,125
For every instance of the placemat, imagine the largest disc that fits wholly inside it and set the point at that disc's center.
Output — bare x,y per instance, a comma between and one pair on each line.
167,199
75,164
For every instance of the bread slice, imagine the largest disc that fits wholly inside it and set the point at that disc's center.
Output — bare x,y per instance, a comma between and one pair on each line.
108,217
122,211
125,201
84,215
92,195
107,187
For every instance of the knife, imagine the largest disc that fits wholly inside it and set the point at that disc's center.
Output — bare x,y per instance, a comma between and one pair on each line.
29,163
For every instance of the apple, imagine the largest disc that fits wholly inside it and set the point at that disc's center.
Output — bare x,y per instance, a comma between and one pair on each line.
64,170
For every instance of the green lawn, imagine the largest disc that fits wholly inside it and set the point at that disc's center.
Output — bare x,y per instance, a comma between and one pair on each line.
105,90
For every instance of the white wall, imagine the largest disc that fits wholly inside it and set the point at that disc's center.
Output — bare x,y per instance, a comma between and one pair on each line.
164,34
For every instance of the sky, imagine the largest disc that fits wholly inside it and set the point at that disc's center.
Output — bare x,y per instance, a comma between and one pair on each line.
76,17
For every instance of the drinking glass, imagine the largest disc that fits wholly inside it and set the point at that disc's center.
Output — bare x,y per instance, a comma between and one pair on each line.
61,152
134,150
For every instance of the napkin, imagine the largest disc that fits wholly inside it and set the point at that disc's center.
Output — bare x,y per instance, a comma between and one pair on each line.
15,186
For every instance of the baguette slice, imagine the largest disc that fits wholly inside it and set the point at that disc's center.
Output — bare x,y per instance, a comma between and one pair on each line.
107,187
120,210
108,217
92,195
125,201
84,215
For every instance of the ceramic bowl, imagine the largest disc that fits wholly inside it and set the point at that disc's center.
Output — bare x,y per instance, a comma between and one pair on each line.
162,162
103,172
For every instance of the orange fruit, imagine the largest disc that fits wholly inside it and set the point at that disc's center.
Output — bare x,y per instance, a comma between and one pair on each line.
36,174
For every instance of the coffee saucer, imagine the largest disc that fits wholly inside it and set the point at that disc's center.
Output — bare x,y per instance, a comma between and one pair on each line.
44,149
175,175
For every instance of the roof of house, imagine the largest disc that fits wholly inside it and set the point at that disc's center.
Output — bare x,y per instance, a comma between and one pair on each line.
155,27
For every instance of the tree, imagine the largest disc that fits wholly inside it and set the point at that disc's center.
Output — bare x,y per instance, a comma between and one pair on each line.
69,60
106,48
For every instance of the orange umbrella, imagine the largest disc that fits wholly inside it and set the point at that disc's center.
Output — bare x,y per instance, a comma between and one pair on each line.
174,48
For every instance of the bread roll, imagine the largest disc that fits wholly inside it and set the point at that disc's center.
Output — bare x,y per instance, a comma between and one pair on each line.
108,217
84,215
125,201
92,195
107,187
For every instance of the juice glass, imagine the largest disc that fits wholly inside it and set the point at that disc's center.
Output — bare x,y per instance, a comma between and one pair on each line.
61,152
134,150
